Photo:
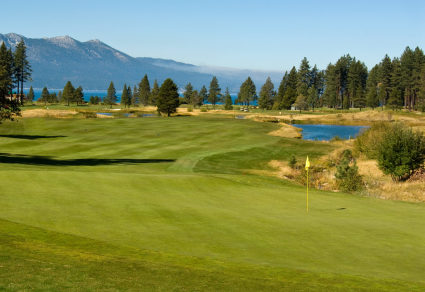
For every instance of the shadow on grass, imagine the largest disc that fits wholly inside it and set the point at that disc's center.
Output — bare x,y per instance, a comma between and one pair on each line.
46,160
29,137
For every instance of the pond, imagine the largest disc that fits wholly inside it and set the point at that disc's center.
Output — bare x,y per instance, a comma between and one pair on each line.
327,132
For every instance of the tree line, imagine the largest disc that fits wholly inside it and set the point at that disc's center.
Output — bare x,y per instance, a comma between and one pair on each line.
15,70
347,83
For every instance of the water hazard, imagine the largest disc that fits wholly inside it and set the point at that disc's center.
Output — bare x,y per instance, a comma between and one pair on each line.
327,132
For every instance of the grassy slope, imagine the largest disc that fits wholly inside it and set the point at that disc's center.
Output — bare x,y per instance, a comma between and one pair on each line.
197,222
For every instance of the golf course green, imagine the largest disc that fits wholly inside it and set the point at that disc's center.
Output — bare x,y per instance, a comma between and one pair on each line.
173,204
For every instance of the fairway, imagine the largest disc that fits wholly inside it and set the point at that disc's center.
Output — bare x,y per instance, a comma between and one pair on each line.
173,204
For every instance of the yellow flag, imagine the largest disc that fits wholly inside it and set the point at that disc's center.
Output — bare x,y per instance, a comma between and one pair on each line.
307,164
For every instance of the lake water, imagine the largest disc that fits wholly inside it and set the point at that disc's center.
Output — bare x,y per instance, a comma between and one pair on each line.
327,132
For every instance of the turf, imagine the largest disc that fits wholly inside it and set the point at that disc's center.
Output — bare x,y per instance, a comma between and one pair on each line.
169,204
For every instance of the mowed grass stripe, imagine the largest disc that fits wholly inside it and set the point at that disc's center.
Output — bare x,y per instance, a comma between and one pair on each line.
218,212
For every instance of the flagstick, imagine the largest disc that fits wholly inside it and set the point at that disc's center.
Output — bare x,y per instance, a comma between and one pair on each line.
307,190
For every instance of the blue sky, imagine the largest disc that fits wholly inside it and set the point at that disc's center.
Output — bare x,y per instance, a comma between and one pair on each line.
266,35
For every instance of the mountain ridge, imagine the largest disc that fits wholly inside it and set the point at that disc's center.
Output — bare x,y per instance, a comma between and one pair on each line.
93,64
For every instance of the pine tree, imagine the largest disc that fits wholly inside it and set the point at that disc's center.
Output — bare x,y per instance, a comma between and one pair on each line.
60,97
291,89
214,93
9,108
168,97
129,96
135,97
144,90
312,97
356,84
395,100
385,70
53,98
124,96
196,98
154,93
267,95
203,95
372,99
6,71
228,104
187,95
281,92
304,77
44,95
22,68
301,103
68,93
30,96
247,92
78,95
111,95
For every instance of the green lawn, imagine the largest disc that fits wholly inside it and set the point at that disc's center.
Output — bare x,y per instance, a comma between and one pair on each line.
168,204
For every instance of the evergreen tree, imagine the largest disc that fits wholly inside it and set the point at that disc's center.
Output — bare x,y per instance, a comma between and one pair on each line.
22,68
196,98
372,99
168,97
154,93
291,89
411,63
267,95
187,95
68,93
395,100
129,96
135,98
228,104
247,92
385,71
111,95
281,92
6,71
78,95
60,97
30,96
214,93
304,77
356,84
203,95
124,96
144,90
44,95
53,98
312,97
8,107
301,103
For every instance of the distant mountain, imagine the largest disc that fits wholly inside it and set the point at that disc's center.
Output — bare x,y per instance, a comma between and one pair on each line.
93,64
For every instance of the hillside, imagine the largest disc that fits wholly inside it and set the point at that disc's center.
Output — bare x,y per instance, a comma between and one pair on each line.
93,64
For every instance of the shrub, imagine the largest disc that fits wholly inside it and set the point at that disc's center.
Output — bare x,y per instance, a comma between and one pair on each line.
401,152
292,162
369,140
190,109
347,173
204,109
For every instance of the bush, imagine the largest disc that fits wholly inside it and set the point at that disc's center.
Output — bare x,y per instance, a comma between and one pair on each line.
368,142
292,162
347,173
204,109
190,109
401,152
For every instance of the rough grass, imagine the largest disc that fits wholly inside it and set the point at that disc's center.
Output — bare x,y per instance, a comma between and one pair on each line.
169,204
